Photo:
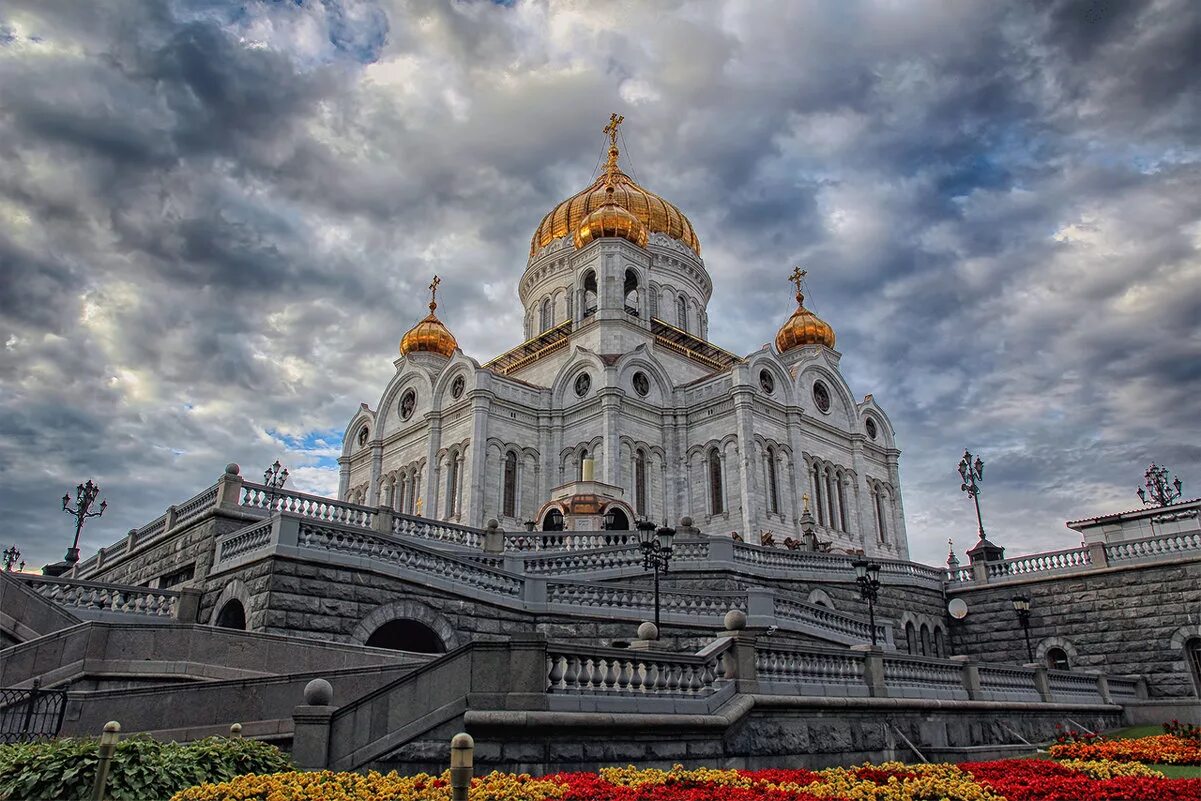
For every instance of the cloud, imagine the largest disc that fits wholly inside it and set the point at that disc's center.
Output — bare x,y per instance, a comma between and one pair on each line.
217,220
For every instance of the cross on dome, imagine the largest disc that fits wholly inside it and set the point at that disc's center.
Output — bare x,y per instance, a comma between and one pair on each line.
798,278
434,292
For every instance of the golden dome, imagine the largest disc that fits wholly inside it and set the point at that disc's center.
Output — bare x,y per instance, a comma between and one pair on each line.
655,213
610,220
429,335
803,327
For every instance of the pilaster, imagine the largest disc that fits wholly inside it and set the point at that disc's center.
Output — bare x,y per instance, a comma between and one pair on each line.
377,469
610,398
481,405
429,494
743,412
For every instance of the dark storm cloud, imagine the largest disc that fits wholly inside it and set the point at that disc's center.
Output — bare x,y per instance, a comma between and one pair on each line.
217,219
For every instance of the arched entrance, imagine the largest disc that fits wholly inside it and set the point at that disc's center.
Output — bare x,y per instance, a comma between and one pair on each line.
232,616
407,635
553,521
620,521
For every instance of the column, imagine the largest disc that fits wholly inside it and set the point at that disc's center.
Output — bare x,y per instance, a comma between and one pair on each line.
429,495
610,399
473,515
377,467
743,412
343,477
901,539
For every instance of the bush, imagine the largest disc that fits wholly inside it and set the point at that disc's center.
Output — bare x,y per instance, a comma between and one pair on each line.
141,769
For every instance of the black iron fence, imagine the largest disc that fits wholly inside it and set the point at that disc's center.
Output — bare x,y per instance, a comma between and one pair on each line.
30,713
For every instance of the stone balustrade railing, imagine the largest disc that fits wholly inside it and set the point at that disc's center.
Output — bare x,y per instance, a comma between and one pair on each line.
1154,547
672,602
98,597
624,672
245,541
436,531
387,550
1122,689
829,567
918,677
1067,559
314,507
567,540
1007,683
1072,560
845,626
811,671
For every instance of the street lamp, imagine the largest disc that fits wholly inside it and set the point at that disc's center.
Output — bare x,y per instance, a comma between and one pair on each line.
656,552
610,518
1021,605
274,478
867,576
972,474
11,555
85,496
1162,493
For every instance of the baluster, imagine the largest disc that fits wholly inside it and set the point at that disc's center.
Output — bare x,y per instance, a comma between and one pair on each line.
673,677
571,679
625,676
611,673
556,670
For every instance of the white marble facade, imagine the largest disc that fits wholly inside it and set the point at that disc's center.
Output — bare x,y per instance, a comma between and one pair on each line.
684,428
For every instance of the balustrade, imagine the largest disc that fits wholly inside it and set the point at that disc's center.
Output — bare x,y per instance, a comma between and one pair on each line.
101,597
812,671
910,677
567,540
830,620
1007,684
245,541
1153,547
436,531
628,673
313,507
1073,686
382,549
1069,559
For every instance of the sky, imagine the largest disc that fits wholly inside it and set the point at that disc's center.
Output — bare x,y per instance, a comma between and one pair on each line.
217,219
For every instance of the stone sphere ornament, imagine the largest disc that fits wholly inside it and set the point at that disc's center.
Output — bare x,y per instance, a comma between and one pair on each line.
318,692
232,469
735,620
648,631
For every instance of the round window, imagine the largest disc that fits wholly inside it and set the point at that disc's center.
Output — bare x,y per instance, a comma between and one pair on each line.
457,386
870,425
766,382
583,382
408,402
642,384
821,396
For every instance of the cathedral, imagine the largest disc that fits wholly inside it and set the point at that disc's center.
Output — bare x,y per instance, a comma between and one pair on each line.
618,392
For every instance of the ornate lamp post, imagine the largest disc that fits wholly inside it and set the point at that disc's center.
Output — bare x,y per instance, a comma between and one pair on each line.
1021,605
11,555
1162,493
972,474
656,552
867,576
274,478
85,496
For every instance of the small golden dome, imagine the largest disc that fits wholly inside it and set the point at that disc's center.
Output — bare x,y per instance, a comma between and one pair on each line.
655,213
610,220
429,335
803,327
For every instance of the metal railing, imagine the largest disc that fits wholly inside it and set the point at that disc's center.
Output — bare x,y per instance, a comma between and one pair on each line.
30,713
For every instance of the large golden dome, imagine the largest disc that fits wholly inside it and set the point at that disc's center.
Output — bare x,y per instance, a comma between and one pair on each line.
655,213
803,327
429,335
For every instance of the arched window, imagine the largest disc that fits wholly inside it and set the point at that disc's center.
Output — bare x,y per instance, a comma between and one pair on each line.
509,506
773,486
630,291
1192,657
231,616
681,313
842,503
715,483
406,635
589,293
580,466
452,486
547,316
553,521
818,503
939,645
571,306
881,525
910,639
654,299
925,640
832,516
640,483
1057,659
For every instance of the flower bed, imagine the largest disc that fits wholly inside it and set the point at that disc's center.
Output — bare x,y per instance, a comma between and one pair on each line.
1168,749
1004,780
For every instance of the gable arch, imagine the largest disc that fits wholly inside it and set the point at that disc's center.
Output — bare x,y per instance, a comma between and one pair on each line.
843,408
350,442
785,391
563,386
235,590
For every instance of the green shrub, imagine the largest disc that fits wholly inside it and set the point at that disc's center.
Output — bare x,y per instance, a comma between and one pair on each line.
142,769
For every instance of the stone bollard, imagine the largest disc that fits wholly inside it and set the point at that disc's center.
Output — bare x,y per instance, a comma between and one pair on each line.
310,726
494,537
462,751
108,744
235,731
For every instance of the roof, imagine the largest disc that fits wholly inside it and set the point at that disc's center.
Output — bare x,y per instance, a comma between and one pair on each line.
1134,513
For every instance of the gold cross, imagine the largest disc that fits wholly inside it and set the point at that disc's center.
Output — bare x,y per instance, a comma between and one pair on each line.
611,128
798,277
434,292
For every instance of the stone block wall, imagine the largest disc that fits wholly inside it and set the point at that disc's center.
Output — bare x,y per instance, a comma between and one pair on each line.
1121,620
